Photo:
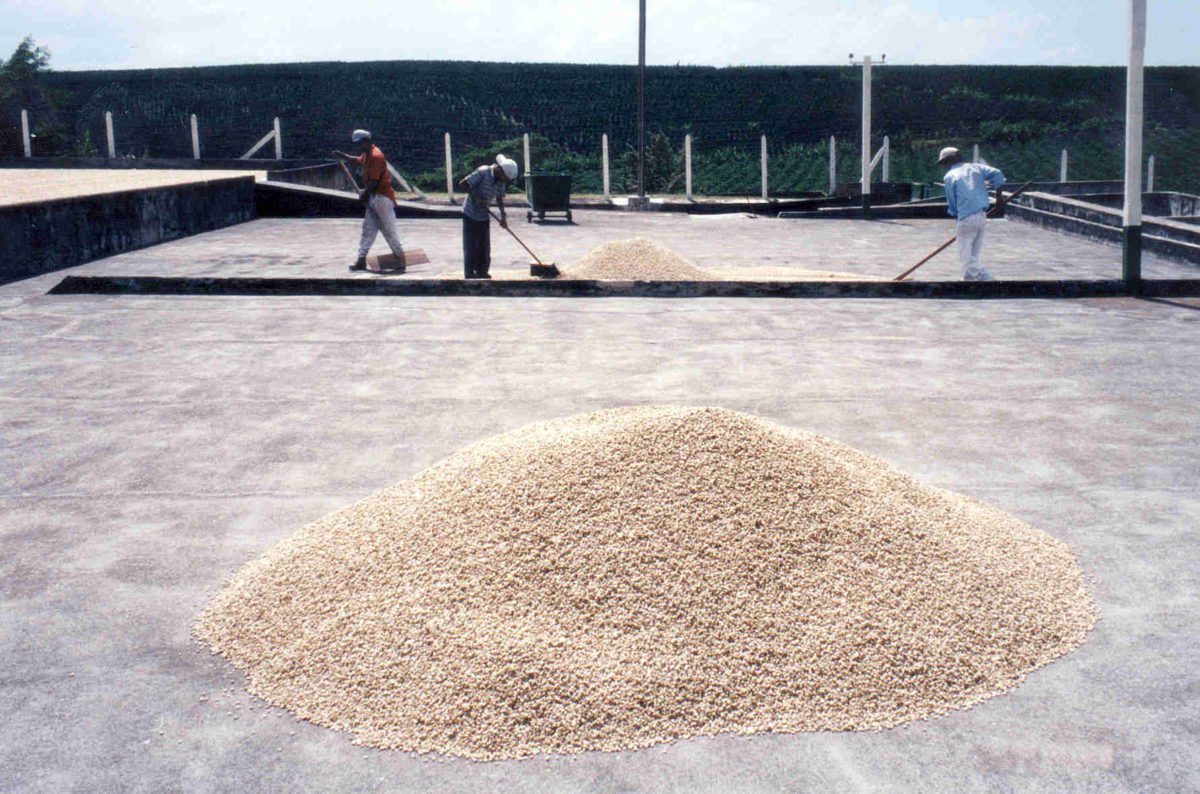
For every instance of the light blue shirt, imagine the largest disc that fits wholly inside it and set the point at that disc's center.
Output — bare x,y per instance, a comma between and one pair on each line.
967,187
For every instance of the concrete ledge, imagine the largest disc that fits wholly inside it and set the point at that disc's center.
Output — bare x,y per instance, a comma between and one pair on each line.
1165,237
155,163
150,285
48,235
886,212
284,200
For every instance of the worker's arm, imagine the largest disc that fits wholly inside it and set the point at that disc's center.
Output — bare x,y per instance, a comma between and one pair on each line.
500,204
951,198
993,176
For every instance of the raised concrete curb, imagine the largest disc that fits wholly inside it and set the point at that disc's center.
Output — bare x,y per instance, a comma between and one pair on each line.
152,285
39,237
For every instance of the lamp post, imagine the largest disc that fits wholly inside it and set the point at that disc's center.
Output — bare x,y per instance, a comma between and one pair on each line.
1131,257
866,128
641,101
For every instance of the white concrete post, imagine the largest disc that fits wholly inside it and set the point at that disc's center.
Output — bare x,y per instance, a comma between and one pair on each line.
687,167
1131,260
866,132
1062,167
528,168
278,141
764,167
195,138
887,153
449,171
108,131
832,165
975,154
604,157
25,133
1150,175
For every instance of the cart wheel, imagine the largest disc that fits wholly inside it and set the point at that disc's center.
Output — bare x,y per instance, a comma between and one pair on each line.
529,217
568,216
541,216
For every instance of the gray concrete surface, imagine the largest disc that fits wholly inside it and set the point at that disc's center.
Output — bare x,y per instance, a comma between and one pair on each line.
152,445
737,245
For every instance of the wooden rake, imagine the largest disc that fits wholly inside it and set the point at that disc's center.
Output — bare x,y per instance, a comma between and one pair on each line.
996,210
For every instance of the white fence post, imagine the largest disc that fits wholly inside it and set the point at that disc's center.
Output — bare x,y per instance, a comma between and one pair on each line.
1150,175
278,141
832,165
25,133
604,157
449,172
887,153
195,138
687,161
528,167
764,167
975,154
1062,167
108,131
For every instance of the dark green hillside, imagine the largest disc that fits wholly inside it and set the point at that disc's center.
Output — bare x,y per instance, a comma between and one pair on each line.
1010,110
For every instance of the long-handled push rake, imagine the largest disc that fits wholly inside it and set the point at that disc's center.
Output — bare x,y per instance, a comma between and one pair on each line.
537,268
996,210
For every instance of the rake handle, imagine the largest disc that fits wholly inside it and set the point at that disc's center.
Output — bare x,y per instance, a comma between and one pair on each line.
514,234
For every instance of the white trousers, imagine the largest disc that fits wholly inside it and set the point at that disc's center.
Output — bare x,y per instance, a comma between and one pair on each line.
970,244
380,217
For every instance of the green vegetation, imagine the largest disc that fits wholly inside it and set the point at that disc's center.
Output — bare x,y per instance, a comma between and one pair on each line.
22,88
1021,117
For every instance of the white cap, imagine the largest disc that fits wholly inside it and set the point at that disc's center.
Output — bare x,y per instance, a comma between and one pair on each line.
360,135
509,166
947,153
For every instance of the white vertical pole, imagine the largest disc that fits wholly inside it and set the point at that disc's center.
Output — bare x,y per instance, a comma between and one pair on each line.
1062,167
764,167
687,160
832,165
1150,175
866,133
1131,264
604,153
278,141
108,131
528,168
975,154
25,133
195,138
449,171
887,153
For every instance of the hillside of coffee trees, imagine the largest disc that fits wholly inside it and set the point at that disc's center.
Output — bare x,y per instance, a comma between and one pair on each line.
1021,116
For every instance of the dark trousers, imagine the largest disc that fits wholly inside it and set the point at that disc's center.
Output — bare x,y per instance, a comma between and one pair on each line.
477,248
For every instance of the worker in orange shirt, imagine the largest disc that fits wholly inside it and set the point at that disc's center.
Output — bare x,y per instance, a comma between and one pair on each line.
377,194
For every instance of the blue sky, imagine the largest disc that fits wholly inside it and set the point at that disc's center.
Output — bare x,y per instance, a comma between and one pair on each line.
102,34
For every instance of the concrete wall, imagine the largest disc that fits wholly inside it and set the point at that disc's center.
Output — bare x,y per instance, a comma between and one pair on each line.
1164,237
43,236
1161,205
330,176
163,163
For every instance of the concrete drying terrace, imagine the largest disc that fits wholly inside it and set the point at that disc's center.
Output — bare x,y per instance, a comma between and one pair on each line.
153,444
736,246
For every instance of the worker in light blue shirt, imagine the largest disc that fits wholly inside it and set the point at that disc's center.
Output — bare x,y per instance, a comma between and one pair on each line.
967,199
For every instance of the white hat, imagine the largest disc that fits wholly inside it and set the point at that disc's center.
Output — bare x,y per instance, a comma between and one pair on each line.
947,153
509,166
360,135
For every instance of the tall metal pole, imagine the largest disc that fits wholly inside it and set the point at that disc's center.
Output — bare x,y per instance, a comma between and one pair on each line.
641,99
866,134
1131,259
